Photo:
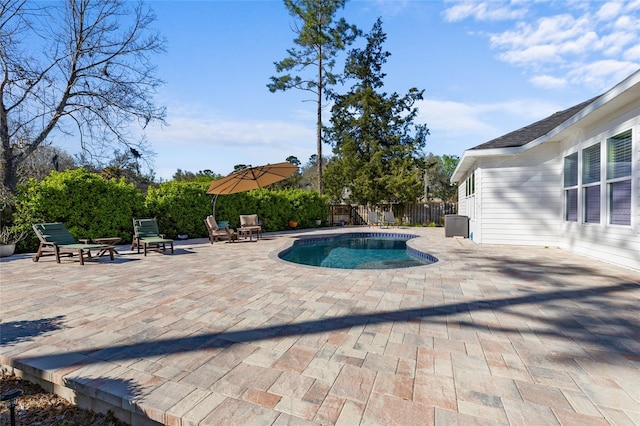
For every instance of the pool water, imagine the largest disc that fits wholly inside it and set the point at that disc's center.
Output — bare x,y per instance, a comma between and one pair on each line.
356,251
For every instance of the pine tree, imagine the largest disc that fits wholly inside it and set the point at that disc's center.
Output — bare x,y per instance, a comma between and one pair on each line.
319,40
376,144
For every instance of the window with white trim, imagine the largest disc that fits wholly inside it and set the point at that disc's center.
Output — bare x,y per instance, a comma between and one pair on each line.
591,184
571,187
471,184
619,178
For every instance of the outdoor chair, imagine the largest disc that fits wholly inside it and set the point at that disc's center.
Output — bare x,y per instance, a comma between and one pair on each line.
249,225
146,234
389,219
215,232
56,240
373,219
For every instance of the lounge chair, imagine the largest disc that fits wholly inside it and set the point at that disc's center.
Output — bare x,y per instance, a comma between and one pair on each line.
146,234
215,232
373,219
249,225
56,240
389,219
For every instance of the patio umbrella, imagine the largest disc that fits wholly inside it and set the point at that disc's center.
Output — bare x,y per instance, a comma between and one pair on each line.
250,178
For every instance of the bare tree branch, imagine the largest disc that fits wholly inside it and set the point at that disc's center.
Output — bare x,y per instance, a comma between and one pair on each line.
95,75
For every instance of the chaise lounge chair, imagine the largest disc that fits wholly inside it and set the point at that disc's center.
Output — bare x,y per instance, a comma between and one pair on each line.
215,232
373,219
56,240
389,219
146,234
249,225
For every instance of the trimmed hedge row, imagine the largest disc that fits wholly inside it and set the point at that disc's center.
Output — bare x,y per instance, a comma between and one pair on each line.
92,207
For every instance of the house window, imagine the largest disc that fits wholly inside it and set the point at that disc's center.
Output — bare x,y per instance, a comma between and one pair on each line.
571,187
591,184
471,184
619,178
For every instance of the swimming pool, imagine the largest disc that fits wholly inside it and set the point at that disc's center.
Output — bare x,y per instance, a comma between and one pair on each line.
370,250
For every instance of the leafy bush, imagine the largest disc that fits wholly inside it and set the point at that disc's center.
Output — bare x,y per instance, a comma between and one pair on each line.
89,205
274,208
92,207
180,207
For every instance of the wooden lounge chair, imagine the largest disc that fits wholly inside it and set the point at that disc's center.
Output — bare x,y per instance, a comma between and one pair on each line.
146,234
249,225
56,240
215,232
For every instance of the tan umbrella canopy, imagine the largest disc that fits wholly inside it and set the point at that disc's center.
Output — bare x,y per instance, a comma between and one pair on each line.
250,178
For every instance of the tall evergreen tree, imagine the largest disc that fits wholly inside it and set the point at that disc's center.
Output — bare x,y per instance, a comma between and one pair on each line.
376,144
319,39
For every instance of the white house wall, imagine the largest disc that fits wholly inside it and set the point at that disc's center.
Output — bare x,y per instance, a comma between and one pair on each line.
517,197
614,243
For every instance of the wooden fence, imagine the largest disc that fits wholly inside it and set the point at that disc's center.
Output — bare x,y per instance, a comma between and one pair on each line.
418,213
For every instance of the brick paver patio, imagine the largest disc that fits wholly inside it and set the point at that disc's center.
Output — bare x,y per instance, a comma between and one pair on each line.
228,334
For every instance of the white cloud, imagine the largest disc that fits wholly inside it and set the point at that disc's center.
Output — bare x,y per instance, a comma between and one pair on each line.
586,43
548,82
485,11
609,11
533,54
633,54
551,32
457,126
198,139
602,74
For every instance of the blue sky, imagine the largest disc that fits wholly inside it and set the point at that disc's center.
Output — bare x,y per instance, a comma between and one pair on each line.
486,68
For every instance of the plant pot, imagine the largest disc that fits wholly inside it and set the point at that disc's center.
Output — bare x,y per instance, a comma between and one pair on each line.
7,250
293,224
318,222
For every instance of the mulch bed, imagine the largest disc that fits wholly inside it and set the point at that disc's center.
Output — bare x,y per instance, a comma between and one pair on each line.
39,408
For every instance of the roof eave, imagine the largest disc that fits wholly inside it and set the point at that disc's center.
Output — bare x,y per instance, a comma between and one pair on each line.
469,156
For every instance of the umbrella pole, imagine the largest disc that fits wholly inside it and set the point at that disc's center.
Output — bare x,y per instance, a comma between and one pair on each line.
213,203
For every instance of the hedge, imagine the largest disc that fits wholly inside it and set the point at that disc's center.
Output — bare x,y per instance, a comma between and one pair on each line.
91,206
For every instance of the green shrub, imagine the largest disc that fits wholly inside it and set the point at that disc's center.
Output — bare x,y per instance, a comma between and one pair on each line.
92,207
89,205
274,208
180,207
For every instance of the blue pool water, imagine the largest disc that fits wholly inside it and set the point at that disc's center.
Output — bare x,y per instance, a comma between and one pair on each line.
357,251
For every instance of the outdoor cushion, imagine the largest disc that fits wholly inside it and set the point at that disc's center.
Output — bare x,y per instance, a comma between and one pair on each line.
215,232
248,220
56,240
146,234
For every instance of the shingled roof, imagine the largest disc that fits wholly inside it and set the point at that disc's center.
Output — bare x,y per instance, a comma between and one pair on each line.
533,131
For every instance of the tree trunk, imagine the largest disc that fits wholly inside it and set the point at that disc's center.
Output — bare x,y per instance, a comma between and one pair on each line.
8,166
319,123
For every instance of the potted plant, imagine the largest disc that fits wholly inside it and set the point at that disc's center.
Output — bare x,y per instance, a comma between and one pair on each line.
318,222
293,223
9,237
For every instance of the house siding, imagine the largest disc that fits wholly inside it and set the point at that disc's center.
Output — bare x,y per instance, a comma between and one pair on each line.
519,198
613,243
520,194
